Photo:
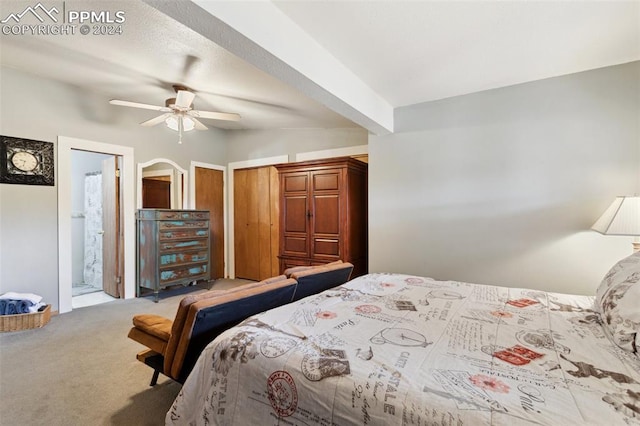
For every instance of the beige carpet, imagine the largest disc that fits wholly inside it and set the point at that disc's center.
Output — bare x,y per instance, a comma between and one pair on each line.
81,369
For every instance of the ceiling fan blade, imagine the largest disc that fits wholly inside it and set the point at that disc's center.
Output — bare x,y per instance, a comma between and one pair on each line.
156,120
198,124
138,105
226,116
184,98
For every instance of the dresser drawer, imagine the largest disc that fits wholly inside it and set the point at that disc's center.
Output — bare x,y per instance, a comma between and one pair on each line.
170,259
182,224
169,215
178,245
155,214
183,273
183,234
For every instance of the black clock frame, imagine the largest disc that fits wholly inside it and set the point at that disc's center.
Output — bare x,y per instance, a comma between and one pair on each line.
43,174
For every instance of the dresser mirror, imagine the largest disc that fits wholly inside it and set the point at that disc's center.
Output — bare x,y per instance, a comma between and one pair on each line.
161,185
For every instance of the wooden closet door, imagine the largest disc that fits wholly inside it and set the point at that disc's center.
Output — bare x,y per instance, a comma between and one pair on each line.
210,196
256,223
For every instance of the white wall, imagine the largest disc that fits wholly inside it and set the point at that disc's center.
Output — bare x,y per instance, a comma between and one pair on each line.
36,108
256,144
501,187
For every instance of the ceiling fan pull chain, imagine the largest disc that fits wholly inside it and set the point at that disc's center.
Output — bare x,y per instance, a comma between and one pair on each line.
180,125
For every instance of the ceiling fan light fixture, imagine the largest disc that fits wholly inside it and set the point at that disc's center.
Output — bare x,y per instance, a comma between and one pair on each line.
187,123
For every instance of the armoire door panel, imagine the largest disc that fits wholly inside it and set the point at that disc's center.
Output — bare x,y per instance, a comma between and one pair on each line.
295,214
296,245
326,247
326,214
326,180
296,183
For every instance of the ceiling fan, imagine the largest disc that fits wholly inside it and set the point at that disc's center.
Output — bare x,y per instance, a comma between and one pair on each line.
178,112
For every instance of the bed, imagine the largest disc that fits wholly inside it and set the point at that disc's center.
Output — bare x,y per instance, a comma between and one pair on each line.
394,349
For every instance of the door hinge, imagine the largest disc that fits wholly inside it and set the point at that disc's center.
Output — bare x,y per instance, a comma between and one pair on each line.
118,280
117,173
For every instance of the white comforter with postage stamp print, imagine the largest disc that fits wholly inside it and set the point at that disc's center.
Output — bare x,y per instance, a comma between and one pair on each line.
390,349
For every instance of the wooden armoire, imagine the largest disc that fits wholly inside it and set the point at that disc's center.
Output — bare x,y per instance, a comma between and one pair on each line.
323,213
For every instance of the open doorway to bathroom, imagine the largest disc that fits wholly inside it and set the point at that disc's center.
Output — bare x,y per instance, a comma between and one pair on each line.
88,228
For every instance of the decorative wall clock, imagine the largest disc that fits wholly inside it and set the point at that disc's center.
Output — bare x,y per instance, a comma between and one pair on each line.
26,162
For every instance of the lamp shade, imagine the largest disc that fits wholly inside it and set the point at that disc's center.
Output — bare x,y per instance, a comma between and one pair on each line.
187,123
621,218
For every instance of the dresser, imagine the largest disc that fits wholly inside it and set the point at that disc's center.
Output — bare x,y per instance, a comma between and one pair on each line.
323,213
173,247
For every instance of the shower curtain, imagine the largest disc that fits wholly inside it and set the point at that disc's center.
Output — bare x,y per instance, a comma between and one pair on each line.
93,229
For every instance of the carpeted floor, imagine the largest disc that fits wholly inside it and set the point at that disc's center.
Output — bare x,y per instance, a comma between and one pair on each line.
81,369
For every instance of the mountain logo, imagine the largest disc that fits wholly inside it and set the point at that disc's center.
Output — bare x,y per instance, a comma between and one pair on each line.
38,11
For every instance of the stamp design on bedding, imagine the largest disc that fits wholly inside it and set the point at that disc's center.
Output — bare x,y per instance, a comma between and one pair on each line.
331,362
282,392
627,403
489,383
277,346
400,337
584,369
469,392
517,355
326,315
445,294
240,347
542,339
522,303
368,309
399,304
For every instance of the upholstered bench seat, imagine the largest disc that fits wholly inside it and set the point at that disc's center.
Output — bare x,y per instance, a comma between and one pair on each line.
174,346
154,325
153,331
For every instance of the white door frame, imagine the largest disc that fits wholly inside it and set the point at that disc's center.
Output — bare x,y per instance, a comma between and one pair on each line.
192,202
65,145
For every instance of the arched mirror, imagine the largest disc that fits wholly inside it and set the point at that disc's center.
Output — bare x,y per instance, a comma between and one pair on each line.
161,185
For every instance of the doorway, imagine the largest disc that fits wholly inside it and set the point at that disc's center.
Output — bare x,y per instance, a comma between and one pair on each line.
126,235
87,228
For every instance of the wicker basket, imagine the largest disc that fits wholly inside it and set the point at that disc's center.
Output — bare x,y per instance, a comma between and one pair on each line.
25,321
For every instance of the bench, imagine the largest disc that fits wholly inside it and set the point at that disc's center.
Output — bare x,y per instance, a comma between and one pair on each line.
173,346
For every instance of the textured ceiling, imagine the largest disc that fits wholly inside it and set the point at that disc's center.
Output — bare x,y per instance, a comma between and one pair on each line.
405,52
416,51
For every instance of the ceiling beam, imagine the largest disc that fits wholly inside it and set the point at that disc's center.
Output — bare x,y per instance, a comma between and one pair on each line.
259,33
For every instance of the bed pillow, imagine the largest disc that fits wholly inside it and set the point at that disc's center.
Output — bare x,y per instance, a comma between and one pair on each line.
617,300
